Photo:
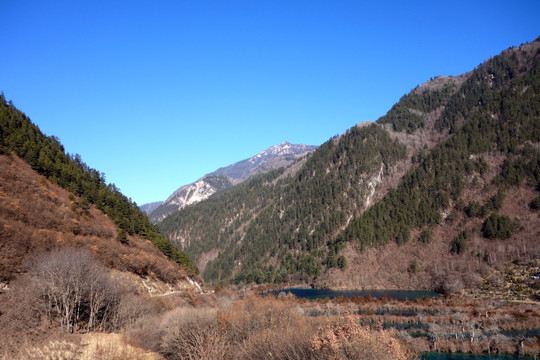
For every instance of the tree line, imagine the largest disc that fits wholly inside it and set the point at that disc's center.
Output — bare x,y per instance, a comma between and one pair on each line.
47,156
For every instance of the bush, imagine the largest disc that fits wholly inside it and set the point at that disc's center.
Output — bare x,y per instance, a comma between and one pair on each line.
459,243
192,334
261,328
425,236
535,204
349,340
413,267
498,227
76,288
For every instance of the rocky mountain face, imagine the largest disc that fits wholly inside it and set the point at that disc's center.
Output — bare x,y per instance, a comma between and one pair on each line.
149,207
274,157
38,216
412,200
277,156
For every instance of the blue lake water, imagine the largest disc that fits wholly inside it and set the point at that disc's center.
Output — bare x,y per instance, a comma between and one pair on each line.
312,294
443,356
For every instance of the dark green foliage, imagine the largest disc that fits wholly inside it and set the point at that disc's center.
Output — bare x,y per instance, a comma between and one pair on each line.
341,262
46,155
498,227
409,113
298,214
216,219
413,267
425,236
481,87
517,167
312,204
122,236
474,209
495,202
535,204
505,119
459,243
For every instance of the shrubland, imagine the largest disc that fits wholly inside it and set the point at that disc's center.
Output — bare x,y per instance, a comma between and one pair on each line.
66,303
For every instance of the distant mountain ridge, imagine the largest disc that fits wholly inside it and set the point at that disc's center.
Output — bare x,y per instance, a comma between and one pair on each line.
224,178
149,207
50,200
274,157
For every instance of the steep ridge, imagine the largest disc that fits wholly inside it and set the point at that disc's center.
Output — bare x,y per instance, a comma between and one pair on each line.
190,194
37,216
222,179
149,207
88,195
272,158
76,255
377,198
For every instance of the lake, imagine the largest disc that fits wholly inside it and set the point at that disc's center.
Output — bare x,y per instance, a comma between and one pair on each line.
444,356
312,294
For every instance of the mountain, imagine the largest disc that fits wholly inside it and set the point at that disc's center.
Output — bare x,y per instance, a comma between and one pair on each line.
149,207
224,178
272,158
50,200
435,194
38,216
76,255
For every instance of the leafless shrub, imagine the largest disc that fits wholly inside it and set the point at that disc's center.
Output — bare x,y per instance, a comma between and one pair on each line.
286,341
146,332
348,340
132,308
193,334
76,289
51,351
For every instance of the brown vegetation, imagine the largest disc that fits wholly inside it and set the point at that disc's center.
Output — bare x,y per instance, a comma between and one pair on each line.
37,216
261,328
386,267
226,326
85,347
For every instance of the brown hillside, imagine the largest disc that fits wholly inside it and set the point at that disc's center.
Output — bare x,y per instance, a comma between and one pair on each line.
483,262
38,216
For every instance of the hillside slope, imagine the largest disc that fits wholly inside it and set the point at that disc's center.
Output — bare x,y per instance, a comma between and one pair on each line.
56,196
149,207
37,216
389,204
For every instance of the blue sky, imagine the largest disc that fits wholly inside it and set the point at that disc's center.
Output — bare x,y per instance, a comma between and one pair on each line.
156,94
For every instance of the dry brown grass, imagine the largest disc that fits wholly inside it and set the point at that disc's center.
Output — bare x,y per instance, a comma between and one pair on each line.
85,347
37,216
346,339
260,328
385,267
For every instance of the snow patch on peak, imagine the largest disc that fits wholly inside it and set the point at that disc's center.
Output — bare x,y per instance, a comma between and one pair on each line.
272,158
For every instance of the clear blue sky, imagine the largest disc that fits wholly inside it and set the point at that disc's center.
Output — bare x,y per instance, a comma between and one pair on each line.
156,94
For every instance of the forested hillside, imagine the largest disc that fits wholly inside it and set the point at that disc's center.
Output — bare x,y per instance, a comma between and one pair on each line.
45,154
452,167
225,178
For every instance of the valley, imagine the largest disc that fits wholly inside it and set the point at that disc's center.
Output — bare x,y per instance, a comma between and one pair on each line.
440,196
403,202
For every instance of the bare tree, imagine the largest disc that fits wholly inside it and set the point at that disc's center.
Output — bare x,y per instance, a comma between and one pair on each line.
76,288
